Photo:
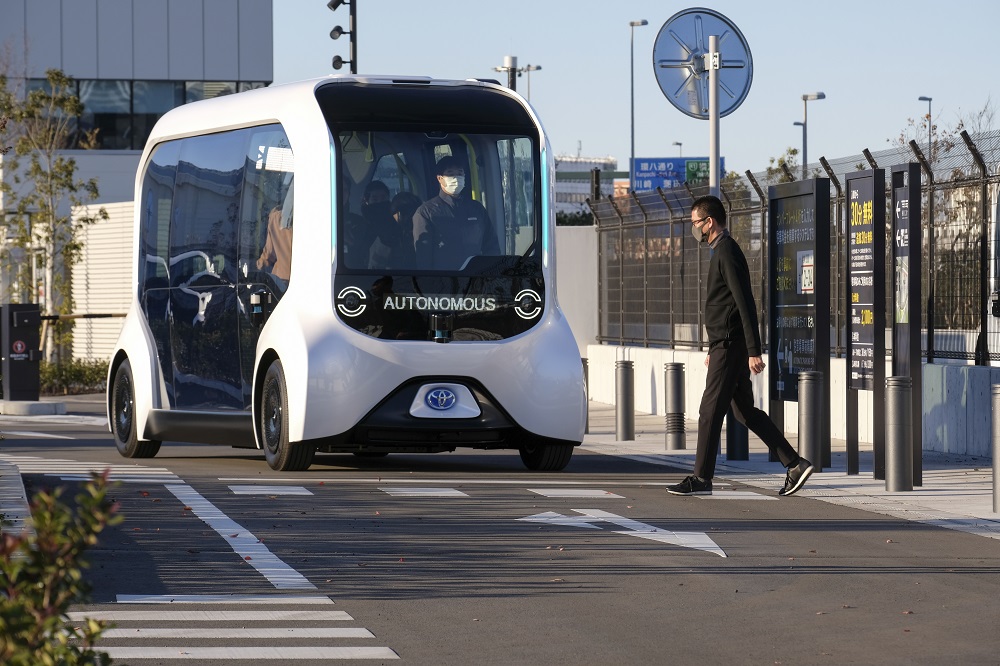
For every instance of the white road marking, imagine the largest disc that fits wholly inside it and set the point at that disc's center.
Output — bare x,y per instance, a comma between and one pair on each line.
245,544
736,494
423,492
26,433
573,492
222,599
135,615
656,480
696,540
269,490
238,632
247,653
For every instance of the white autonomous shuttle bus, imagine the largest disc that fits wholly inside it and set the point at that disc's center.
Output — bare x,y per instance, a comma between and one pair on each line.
348,264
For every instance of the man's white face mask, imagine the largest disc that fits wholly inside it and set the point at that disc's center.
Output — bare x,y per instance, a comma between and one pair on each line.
452,184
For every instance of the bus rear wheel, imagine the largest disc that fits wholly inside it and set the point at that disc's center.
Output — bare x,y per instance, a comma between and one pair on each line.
281,455
540,457
123,416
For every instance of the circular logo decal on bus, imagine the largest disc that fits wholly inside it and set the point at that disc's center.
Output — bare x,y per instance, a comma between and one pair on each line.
441,398
527,304
351,301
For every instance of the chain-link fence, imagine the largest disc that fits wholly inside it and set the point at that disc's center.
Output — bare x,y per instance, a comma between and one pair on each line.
652,272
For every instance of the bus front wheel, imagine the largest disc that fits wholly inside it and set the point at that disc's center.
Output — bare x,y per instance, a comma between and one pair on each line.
123,417
281,455
546,457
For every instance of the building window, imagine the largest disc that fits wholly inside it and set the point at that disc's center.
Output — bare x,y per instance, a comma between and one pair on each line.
107,109
150,100
195,91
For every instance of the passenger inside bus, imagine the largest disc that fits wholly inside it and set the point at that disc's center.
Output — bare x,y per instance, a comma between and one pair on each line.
451,227
394,248
276,256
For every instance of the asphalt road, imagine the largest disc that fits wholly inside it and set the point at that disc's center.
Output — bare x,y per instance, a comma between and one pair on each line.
468,558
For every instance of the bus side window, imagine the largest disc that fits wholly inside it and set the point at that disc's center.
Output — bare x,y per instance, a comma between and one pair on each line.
265,252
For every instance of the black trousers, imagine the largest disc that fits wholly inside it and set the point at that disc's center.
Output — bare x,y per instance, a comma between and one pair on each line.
728,382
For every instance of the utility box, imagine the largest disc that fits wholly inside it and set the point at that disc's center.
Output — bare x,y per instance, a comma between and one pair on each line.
20,334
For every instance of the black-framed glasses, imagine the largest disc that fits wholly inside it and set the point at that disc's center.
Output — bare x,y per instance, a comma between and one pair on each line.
697,223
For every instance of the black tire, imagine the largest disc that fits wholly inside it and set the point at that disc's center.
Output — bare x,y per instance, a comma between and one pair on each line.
123,417
546,457
281,455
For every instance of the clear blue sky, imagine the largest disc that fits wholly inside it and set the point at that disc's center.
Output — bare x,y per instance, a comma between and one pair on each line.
872,58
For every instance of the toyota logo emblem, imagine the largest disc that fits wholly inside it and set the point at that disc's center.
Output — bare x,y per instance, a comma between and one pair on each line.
440,398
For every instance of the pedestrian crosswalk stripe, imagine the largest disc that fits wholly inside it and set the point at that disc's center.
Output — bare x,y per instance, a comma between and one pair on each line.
423,492
237,632
278,654
736,495
573,492
208,616
270,490
222,599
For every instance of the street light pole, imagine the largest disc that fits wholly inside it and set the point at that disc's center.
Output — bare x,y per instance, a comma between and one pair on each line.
808,97
930,124
528,69
631,162
680,148
803,126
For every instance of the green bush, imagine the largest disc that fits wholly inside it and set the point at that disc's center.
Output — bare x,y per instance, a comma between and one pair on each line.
73,377
40,577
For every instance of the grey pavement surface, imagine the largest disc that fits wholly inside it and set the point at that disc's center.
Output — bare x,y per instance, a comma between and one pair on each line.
957,491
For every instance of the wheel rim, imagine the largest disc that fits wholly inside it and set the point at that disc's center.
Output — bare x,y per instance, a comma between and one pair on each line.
272,418
123,407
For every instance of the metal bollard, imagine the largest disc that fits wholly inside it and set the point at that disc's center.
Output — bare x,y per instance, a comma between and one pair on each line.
673,406
898,434
811,418
586,393
624,402
737,438
996,448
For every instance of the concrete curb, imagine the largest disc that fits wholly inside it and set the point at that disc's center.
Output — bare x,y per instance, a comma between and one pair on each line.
31,408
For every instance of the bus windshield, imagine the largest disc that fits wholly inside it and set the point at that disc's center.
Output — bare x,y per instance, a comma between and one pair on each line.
438,200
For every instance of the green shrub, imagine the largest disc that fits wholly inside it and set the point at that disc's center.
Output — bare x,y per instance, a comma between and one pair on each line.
41,576
73,377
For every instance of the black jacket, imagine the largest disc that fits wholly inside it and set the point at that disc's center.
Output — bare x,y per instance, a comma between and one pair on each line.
448,230
730,311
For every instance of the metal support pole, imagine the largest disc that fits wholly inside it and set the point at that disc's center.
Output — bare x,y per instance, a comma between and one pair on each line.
713,113
673,405
996,448
898,434
811,418
586,393
624,402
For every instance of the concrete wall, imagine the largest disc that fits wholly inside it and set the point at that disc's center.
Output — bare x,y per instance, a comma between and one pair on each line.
576,280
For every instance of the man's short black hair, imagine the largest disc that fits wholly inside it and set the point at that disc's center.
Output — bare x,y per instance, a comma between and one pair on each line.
710,206
448,162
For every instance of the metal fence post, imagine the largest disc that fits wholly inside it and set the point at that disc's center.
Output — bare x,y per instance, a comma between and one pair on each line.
624,402
996,448
898,434
811,418
673,407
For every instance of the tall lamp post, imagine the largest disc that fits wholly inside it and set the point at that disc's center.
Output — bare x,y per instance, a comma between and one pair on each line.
680,148
808,97
631,162
803,126
930,124
528,69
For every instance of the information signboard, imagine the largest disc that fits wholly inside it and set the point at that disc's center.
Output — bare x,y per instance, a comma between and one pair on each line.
799,237
865,278
648,173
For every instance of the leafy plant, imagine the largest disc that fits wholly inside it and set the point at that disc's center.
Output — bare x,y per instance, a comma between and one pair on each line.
41,576
73,376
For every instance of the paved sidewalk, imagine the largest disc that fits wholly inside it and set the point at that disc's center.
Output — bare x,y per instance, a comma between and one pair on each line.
957,491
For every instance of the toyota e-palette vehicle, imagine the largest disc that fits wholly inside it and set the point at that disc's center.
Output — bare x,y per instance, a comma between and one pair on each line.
278,302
